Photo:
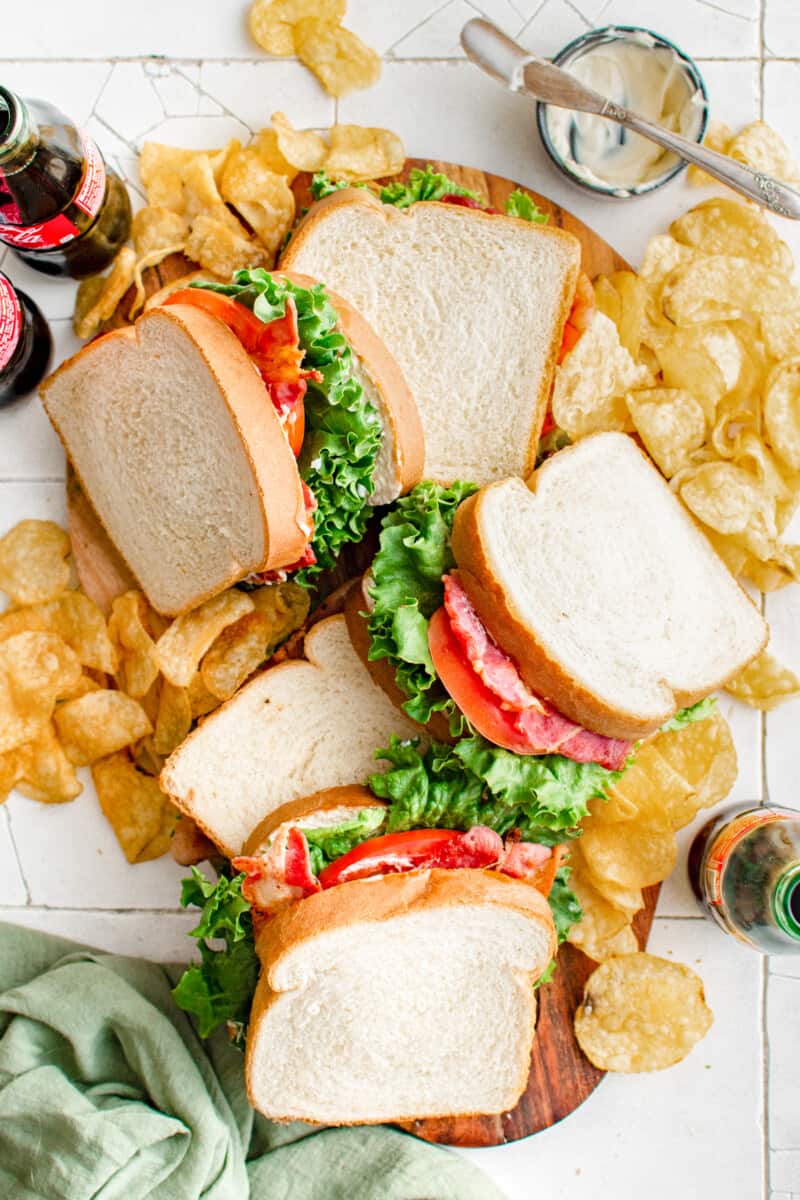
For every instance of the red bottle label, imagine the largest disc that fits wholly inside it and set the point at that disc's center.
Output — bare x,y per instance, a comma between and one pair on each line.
61,229
10,322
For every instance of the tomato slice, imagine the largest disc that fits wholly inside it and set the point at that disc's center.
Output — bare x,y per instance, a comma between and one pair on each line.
239,319
580,315
415,850
478,704
535,864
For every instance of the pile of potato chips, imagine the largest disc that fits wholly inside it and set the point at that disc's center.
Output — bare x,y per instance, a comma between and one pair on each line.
700,356
229,208
641,1013
117,695
757,146
628,840
312,29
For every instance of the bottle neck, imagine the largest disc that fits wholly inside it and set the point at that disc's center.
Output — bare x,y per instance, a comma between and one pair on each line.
19,135
786,901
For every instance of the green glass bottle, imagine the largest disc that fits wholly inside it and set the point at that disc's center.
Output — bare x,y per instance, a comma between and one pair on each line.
744,867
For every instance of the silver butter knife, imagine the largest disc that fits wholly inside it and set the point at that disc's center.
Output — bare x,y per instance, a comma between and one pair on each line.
507,62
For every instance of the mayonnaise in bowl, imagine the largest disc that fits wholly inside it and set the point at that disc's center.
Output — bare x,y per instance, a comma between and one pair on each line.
642,72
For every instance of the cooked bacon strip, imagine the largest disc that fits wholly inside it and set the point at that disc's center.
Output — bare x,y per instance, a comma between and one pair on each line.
542,724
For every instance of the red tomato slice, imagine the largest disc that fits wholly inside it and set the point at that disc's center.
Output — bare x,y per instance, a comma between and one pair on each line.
478,704
580,315
239,319
415,850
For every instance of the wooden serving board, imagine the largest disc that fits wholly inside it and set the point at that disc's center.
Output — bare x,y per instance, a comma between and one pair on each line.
561,1077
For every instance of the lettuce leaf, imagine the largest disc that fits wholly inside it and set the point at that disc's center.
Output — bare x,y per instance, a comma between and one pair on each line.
687,716
565,904
475,783
406,590
328,844
520,204
343,430
423,185
219,990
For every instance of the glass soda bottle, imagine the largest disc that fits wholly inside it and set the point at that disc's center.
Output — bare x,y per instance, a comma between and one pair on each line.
744,867
61,208
25,343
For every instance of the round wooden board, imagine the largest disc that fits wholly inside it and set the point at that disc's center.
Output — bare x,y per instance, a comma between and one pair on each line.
561,1077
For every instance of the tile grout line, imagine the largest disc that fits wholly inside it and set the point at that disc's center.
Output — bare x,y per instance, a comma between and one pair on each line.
419,59
762,18
18,858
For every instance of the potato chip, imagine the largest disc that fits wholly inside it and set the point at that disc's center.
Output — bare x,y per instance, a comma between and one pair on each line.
764,683
85,684
727,226
641,1013
155,227
160,167
263,198
237,653
86,314
73,617
114,287
590,385
688,361
272,21
49,776
174,718
781,332
782,484
339,59
730,500
718,137
607,299
303,148
201,700
36,669
146,758
760,147
628,900
134,805
662,256
285,604
670,422
128,625
33,563
723,287
13,765
650,790
202,196
782,411
633,298
179,650
601,919
703,757
360,153
266,146
99,724
217,248
633,854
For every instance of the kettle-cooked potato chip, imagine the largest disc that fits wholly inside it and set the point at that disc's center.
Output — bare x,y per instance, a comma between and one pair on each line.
670,422
764,683
104,302
759,146
718,137
237,653
723,287
33,564
339,59
727,226
272,21
98,724
36,669
49,776
134,805
220,250
591,383
263,198
266,145
160,167
782,411
129,626
303,148
641,1013
13,765
359,153
633,854
181,647
73,617
156,227
174,718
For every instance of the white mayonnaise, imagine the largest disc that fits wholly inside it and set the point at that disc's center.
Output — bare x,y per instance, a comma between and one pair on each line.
645,77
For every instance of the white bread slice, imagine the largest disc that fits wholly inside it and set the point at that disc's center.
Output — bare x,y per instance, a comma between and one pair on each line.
296,728
174,441
402,454
597,581
398,998
470,304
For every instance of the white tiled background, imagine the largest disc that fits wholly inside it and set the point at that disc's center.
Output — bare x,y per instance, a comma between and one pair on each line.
725,1123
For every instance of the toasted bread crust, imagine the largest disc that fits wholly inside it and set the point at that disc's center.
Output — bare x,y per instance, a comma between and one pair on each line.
381,669
352,795
349,197
543,673
380,900
272,464
399,408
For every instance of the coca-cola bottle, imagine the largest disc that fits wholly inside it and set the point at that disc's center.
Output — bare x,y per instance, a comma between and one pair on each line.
25,343
61,208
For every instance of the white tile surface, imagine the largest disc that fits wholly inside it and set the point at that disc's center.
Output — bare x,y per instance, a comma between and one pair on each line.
187,73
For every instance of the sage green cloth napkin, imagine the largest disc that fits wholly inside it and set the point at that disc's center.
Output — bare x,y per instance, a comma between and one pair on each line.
106,1092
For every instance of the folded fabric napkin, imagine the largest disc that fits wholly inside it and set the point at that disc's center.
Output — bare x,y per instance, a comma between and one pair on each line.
107,1092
